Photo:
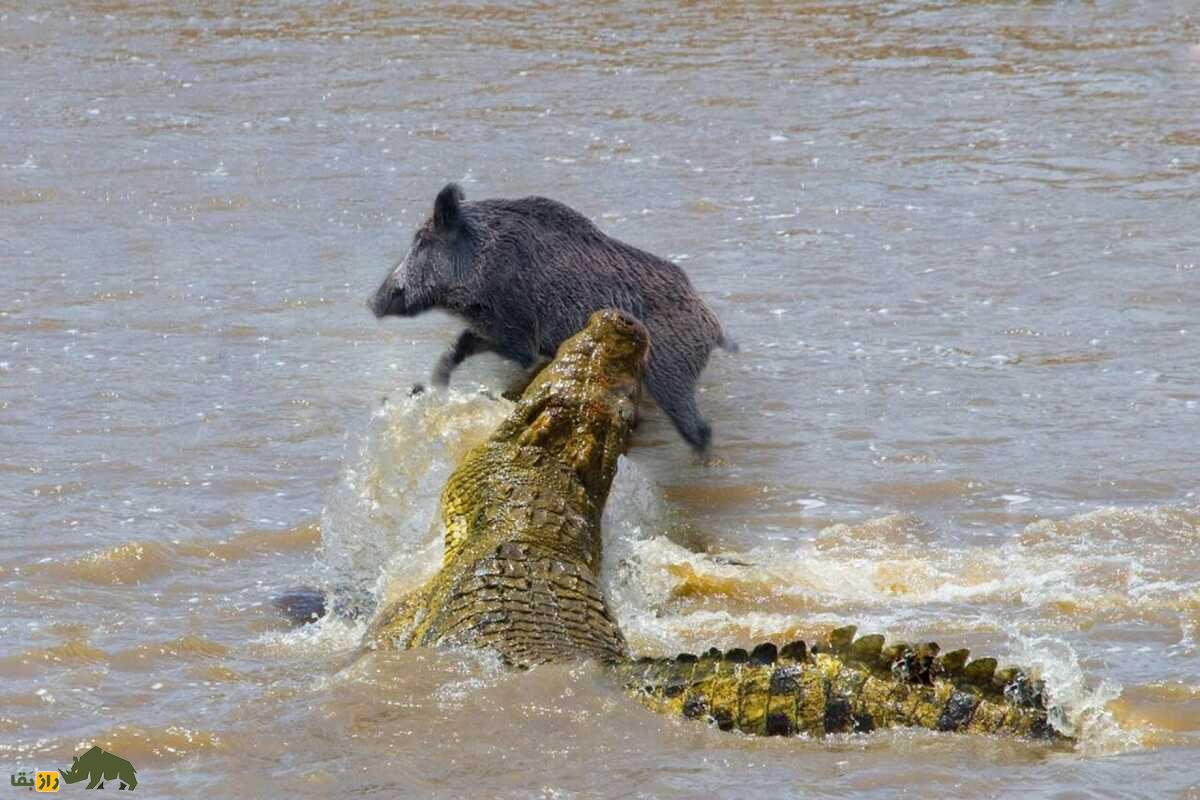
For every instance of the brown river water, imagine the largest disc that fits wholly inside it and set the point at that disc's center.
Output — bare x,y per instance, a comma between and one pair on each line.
957,242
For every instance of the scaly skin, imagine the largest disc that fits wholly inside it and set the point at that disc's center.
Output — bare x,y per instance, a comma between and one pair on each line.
520,576
522,514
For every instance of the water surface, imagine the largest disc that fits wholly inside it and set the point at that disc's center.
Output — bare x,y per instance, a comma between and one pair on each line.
957,245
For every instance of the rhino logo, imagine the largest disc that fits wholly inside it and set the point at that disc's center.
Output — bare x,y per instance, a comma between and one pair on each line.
98,766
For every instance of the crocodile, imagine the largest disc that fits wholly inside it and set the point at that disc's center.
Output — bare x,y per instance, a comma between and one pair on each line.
520,576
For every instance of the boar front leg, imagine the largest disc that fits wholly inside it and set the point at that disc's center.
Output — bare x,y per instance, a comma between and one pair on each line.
467,345
516,348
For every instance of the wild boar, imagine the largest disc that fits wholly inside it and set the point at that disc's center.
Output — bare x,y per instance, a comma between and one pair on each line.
526,274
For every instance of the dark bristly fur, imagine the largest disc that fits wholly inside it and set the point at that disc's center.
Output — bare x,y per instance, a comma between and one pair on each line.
526,274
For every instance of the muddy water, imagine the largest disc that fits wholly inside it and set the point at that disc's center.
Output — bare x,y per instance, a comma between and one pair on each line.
957,244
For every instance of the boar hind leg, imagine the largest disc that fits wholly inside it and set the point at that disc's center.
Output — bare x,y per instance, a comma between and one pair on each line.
467,345
678,401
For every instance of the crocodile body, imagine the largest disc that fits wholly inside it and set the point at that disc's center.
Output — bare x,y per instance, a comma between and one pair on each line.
521,576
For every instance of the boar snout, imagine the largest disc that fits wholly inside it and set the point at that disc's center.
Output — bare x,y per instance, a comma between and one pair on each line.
388,299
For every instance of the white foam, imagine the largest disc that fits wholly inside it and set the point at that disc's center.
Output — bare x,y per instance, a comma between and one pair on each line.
381,524
1075,708
328,636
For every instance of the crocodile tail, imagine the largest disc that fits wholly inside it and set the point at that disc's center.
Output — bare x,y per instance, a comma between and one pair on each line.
841,686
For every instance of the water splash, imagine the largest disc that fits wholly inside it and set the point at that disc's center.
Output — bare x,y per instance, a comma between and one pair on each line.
381,529
381,525
1076,709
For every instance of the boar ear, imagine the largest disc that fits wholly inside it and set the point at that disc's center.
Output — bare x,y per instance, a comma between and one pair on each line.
446,210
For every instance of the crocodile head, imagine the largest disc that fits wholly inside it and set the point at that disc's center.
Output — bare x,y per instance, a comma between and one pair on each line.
580,408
